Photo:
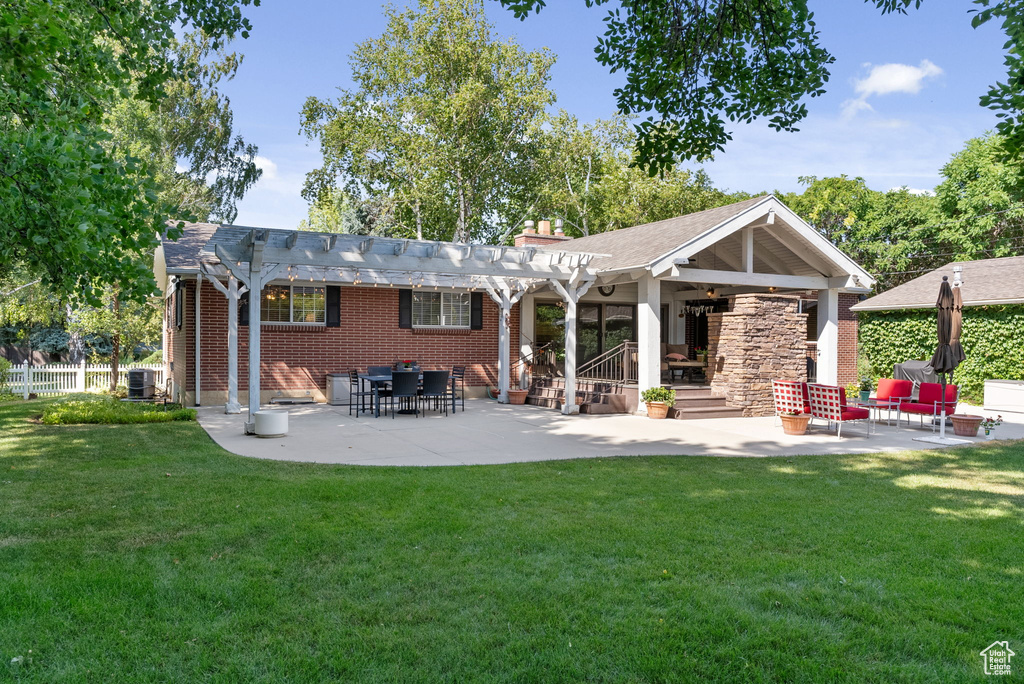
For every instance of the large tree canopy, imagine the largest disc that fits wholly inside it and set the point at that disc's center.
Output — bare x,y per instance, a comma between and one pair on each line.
73,209
692,65
441,123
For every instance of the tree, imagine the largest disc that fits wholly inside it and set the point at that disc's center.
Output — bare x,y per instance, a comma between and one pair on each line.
72,210
690,66
201,168
440,127
983,196
833,205
588,179
127,323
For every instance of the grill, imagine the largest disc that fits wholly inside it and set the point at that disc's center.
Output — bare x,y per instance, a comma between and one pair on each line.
141,384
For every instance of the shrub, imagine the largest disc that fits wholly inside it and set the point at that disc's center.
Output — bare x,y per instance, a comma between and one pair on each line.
76,409
662,395
154,359
5,367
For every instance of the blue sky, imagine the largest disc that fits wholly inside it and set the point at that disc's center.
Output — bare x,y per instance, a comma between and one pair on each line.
903,96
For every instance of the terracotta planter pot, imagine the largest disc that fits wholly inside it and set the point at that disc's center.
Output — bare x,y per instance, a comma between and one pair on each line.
657,410
517,396
965,426
795,425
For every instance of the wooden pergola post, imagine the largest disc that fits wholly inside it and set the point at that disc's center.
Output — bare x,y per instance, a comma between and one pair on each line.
233,291
571,292
505,298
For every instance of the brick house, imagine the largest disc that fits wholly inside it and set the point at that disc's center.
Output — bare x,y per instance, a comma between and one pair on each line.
750,281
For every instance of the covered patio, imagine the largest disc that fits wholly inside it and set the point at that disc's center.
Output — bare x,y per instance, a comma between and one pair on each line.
491,433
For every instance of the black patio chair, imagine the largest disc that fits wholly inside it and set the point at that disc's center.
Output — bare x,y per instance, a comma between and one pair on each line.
379,370
435,386
404,388
458,386
356,391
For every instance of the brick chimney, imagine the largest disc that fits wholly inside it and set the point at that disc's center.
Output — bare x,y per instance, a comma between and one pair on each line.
543,236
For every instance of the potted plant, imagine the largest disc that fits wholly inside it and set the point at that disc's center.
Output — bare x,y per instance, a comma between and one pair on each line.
866,385
852,390
988,424
795,422
658,400
702,354
517,396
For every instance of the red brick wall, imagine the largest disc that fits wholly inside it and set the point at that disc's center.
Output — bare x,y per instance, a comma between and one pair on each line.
297,357
847,340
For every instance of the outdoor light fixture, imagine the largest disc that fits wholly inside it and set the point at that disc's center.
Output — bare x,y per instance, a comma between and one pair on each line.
711,293
771,289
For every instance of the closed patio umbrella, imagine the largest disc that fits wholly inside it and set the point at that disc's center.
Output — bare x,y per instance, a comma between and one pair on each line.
947,357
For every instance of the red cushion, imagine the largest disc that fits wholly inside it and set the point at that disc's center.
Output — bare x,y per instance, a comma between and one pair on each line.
888,388
854,413
807,407
842,396
916,407
807,393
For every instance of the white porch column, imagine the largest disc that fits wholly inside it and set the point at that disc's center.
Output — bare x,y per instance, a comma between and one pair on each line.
828,336
233,291
255,291
527,335
505,299
571,293
648,325
199,346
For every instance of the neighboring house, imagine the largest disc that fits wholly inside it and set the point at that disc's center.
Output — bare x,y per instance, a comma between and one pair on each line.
993,320
731,278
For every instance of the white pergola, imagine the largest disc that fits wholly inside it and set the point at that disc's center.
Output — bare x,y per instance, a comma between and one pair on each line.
247,259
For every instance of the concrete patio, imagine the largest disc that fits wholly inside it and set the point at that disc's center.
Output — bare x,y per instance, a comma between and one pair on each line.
490,433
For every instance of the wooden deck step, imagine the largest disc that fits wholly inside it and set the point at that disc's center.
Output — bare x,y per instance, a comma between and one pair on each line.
702,412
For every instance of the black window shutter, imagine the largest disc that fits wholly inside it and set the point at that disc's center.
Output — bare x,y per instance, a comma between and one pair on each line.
405,308
179,304
243,309
333,306
476,311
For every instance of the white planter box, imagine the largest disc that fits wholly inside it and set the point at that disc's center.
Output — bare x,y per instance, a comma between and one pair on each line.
1004,395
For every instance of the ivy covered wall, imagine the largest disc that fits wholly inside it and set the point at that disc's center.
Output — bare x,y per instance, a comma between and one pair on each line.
993,339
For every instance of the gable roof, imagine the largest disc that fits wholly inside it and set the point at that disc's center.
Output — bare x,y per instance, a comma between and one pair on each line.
641,245
985,281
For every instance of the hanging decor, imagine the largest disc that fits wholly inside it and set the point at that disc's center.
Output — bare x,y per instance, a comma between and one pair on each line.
699,310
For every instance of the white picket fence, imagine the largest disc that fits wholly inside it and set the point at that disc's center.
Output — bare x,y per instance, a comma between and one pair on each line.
64,378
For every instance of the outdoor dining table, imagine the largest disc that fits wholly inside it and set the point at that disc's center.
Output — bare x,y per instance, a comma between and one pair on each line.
377,382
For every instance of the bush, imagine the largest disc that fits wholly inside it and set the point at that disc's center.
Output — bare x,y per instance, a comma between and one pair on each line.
5,367
154,359
76,409
662,395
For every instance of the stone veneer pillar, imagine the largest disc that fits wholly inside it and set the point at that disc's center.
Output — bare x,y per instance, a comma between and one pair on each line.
761,339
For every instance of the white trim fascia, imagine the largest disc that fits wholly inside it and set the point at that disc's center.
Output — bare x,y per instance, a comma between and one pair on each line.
901,307
726,228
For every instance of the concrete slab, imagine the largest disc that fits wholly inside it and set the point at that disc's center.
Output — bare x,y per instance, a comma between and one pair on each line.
491,433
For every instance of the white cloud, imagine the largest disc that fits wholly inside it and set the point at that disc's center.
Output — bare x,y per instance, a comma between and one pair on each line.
886,79
268,167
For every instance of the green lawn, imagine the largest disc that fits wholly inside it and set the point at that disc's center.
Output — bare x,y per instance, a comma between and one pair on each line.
146,553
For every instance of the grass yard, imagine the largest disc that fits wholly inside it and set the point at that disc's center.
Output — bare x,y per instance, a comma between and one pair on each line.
138,553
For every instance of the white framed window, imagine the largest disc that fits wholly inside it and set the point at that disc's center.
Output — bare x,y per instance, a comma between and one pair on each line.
440,309
293,304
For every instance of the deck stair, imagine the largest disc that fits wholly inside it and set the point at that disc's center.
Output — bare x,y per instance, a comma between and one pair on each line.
694,403
592,396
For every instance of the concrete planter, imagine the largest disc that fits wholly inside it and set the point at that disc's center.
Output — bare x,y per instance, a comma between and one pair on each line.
657,410
965,425
795,425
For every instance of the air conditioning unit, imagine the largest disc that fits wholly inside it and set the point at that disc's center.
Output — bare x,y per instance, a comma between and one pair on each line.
140,383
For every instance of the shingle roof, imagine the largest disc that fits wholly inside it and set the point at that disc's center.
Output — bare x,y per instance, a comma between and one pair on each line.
183,253
642,245
986,281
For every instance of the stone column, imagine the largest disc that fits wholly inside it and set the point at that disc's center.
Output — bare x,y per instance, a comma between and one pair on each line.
760,340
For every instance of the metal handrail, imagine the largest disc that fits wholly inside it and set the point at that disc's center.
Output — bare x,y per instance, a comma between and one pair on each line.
527,361
618,365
